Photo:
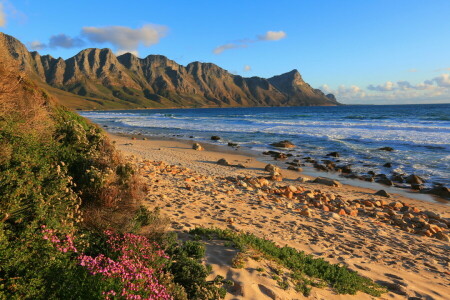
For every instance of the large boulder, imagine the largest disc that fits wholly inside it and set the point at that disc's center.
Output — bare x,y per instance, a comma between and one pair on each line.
283,144
414,179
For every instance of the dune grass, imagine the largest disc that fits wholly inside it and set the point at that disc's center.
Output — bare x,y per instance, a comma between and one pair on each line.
306,271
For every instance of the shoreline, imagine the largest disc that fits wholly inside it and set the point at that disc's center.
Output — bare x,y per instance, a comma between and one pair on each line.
193,190
308,172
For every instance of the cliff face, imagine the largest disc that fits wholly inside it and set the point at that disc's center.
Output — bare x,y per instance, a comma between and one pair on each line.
97,75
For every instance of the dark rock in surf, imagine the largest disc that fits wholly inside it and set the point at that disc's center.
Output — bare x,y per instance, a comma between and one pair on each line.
283,144
386,149
215,138
333,154
387,165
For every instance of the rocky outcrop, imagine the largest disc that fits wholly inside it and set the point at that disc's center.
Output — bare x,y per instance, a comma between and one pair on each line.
156,81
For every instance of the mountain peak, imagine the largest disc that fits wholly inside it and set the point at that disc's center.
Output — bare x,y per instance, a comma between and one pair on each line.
103,80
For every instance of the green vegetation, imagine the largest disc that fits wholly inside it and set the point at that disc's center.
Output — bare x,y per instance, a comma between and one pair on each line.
71,224
306,271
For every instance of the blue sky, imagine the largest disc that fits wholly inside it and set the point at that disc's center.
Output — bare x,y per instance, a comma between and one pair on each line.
365,51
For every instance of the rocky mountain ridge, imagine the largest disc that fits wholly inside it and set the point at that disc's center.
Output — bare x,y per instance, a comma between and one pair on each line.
100,78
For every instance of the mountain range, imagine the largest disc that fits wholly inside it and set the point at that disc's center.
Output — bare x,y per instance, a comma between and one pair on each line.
98,79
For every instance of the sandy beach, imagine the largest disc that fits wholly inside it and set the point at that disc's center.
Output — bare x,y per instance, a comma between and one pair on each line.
398,242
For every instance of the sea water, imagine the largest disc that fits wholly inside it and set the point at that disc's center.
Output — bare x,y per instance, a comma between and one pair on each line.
419,134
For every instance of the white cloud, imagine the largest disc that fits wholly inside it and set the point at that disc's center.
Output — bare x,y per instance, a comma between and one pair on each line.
272,36
65,41
229,46
244,43
36,45
443,80
2,16
435,90
388,86
247,68
125,38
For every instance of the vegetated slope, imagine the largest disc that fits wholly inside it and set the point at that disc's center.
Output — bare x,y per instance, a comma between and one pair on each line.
61,185
96,78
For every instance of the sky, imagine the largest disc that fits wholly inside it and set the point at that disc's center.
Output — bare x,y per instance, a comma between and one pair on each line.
363,51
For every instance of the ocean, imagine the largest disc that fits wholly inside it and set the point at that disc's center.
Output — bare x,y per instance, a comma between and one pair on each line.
419,134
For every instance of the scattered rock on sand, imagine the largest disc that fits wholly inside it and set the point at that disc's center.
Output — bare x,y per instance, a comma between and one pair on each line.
305,212
230,144
386,149
283,144
327,181
215,138
197,147
223,162
272,168
383,193
293,168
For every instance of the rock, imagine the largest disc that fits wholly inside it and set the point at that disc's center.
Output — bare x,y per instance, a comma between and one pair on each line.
283,144
387,165
223,162
276,177
298,169
280,156
441,236
320,167
230,144
398,178
383,193
215,138
197,147
272,168
353,213
327,181
396,204
346,169
441,191
333,154
301,179
414,179
341,212
292,188
306,212
335,216
386,149
241,166
385,181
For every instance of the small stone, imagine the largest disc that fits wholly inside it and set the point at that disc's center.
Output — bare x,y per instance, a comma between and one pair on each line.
441,236
335,216
272,168
386,149
327,181
283,144
197,147
383,193
333,154
223,162
387,165
396,204
305,212
215,138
